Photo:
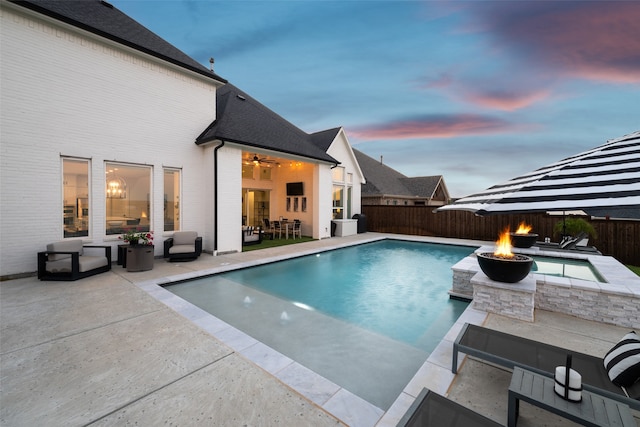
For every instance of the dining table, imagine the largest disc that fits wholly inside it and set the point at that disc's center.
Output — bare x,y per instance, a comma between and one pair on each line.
285,223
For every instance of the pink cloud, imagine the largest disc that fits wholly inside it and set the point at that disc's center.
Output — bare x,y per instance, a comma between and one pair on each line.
436,126
597,40
506,100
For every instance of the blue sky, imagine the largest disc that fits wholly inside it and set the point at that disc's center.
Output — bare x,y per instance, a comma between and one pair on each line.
476,91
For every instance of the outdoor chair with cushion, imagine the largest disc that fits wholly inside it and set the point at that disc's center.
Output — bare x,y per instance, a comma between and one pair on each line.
70,260
432,409
183,246
251,235
510,350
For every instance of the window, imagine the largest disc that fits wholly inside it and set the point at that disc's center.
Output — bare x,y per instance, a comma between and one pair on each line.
338,200
338,174
171,200
265,173
128,203
340,187
75,199
247,171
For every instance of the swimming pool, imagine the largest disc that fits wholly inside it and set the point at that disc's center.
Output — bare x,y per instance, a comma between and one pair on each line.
365,317
566,267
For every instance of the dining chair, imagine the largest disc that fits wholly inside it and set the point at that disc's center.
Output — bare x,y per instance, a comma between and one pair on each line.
269,228
297,228
277,228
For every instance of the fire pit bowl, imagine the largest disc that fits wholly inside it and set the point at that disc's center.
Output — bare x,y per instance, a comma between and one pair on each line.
503,269
520,240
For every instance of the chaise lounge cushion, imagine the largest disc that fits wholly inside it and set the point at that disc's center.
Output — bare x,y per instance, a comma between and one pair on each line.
183,242
622,362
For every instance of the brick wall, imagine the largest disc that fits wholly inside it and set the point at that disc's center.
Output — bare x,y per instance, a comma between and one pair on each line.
69,93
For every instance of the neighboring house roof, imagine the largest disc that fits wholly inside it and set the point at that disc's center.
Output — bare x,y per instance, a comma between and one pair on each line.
617,213
243,120
103,19
383,180
423,186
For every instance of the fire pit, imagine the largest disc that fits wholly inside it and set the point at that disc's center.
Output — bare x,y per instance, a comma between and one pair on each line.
502,269
503,265
523,238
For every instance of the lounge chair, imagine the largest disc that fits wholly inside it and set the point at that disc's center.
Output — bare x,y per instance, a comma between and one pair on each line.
183,246
431,409
510,350
251,235
572,242
70,260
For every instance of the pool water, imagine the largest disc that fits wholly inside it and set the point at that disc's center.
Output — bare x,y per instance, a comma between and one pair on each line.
365,317
563,267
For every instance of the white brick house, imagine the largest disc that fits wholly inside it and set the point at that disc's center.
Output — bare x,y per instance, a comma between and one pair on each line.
91,100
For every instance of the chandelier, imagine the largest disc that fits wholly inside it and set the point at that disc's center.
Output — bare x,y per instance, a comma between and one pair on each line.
116,188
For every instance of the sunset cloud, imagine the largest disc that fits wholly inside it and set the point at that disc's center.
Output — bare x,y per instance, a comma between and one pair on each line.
591,40
506,100
434,126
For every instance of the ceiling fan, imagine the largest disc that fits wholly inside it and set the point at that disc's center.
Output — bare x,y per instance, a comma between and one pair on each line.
257,160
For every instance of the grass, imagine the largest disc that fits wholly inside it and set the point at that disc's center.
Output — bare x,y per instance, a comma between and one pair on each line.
267,243
635,269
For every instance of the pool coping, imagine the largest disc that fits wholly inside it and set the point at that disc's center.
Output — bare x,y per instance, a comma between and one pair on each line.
435,373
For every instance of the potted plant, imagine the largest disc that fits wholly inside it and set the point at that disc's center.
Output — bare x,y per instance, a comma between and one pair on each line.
574,226
133,237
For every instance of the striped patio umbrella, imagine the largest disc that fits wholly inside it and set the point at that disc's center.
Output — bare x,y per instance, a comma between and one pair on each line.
606,177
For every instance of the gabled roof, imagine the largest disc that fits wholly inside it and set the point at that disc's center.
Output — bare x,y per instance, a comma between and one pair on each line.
383,180
243,120
103,19
324,138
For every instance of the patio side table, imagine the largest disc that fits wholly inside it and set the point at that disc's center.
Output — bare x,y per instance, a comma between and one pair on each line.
594,410
140,257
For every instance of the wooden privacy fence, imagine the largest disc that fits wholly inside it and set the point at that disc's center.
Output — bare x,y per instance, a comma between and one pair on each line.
617,238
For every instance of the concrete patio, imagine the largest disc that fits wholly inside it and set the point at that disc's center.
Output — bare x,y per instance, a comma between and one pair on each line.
115,349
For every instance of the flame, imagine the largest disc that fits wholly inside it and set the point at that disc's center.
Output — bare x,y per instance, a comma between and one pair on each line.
503,245
523,228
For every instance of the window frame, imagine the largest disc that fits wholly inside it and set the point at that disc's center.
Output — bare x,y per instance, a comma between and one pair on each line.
177,219
122,220
73,208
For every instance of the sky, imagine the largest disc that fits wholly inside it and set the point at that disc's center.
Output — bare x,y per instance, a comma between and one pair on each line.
476,91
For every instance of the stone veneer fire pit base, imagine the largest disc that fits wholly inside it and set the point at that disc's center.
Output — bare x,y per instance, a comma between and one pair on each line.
615,301
507,299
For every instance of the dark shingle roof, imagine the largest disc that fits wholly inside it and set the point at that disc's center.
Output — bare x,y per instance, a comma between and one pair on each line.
243,120
618,213
103,19
423,186
323,139
383,180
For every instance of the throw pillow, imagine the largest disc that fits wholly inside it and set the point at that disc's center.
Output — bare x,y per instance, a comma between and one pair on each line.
622,362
